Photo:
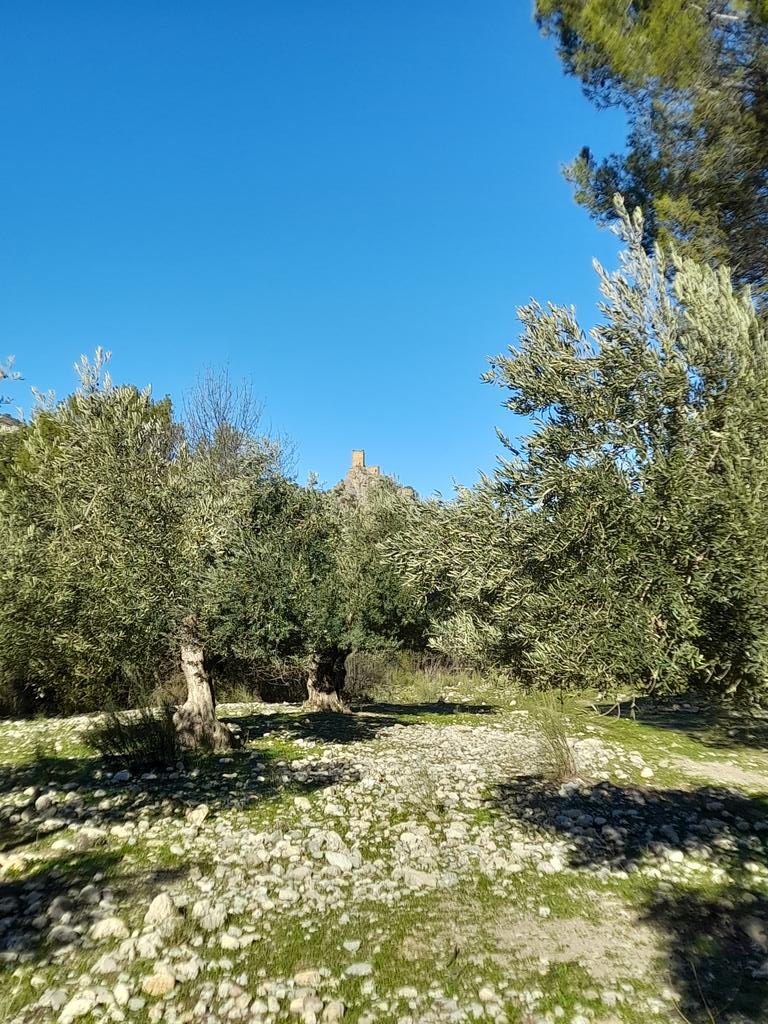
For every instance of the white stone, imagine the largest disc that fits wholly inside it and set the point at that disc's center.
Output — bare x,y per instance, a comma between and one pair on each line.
148,945
109,928
106,965
338,860
78,1007
210,915
162,912
334,1011
307,979
198,815
419,879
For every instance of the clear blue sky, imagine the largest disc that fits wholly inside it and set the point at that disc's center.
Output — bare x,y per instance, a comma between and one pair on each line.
344,201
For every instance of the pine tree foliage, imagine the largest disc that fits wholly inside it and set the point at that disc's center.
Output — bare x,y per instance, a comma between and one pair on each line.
691,76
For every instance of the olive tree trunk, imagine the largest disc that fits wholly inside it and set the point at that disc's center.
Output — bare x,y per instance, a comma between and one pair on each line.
195,720
325,679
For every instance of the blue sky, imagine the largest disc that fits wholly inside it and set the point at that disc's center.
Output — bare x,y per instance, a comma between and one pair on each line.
343,201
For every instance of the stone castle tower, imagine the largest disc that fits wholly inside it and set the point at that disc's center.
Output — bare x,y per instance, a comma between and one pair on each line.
360,480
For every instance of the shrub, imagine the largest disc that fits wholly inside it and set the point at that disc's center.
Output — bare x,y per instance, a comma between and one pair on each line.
138,740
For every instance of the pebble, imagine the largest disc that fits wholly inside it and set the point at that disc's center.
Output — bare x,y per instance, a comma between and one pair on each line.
339,860
162,912
334,1011
77,1007
63,935
198,815
121,993
308,979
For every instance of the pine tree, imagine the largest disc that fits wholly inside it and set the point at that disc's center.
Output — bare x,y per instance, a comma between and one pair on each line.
692,78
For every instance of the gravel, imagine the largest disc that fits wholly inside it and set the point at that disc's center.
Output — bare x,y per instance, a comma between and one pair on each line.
413,812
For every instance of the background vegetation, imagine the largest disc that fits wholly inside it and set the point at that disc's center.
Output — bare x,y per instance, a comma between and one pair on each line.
621,544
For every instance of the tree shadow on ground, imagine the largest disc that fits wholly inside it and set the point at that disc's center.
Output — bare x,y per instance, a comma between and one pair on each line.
433,708
317,726
58,796
363,723
97,821
711,726
52,909
84,790
715,932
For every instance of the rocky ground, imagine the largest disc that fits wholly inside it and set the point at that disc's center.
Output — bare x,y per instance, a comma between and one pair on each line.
406,863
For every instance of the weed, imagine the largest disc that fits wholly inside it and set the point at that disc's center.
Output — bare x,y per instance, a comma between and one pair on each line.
552,724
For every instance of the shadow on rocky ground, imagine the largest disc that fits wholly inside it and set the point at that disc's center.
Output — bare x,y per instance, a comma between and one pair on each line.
363,723
440,707
319,726
713,727
59,902
49,901
715,931
80,799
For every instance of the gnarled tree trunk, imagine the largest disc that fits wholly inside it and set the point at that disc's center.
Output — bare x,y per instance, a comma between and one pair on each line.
195,719
325,679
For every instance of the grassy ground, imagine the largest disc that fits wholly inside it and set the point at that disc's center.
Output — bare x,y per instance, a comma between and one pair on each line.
637,890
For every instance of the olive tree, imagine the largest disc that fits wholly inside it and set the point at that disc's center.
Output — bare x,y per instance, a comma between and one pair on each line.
623,542
360,601
224,464
306,579
7,373
460,558
88,530
115,522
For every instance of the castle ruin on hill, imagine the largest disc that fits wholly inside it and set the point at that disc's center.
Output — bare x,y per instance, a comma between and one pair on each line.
360,480
8,422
